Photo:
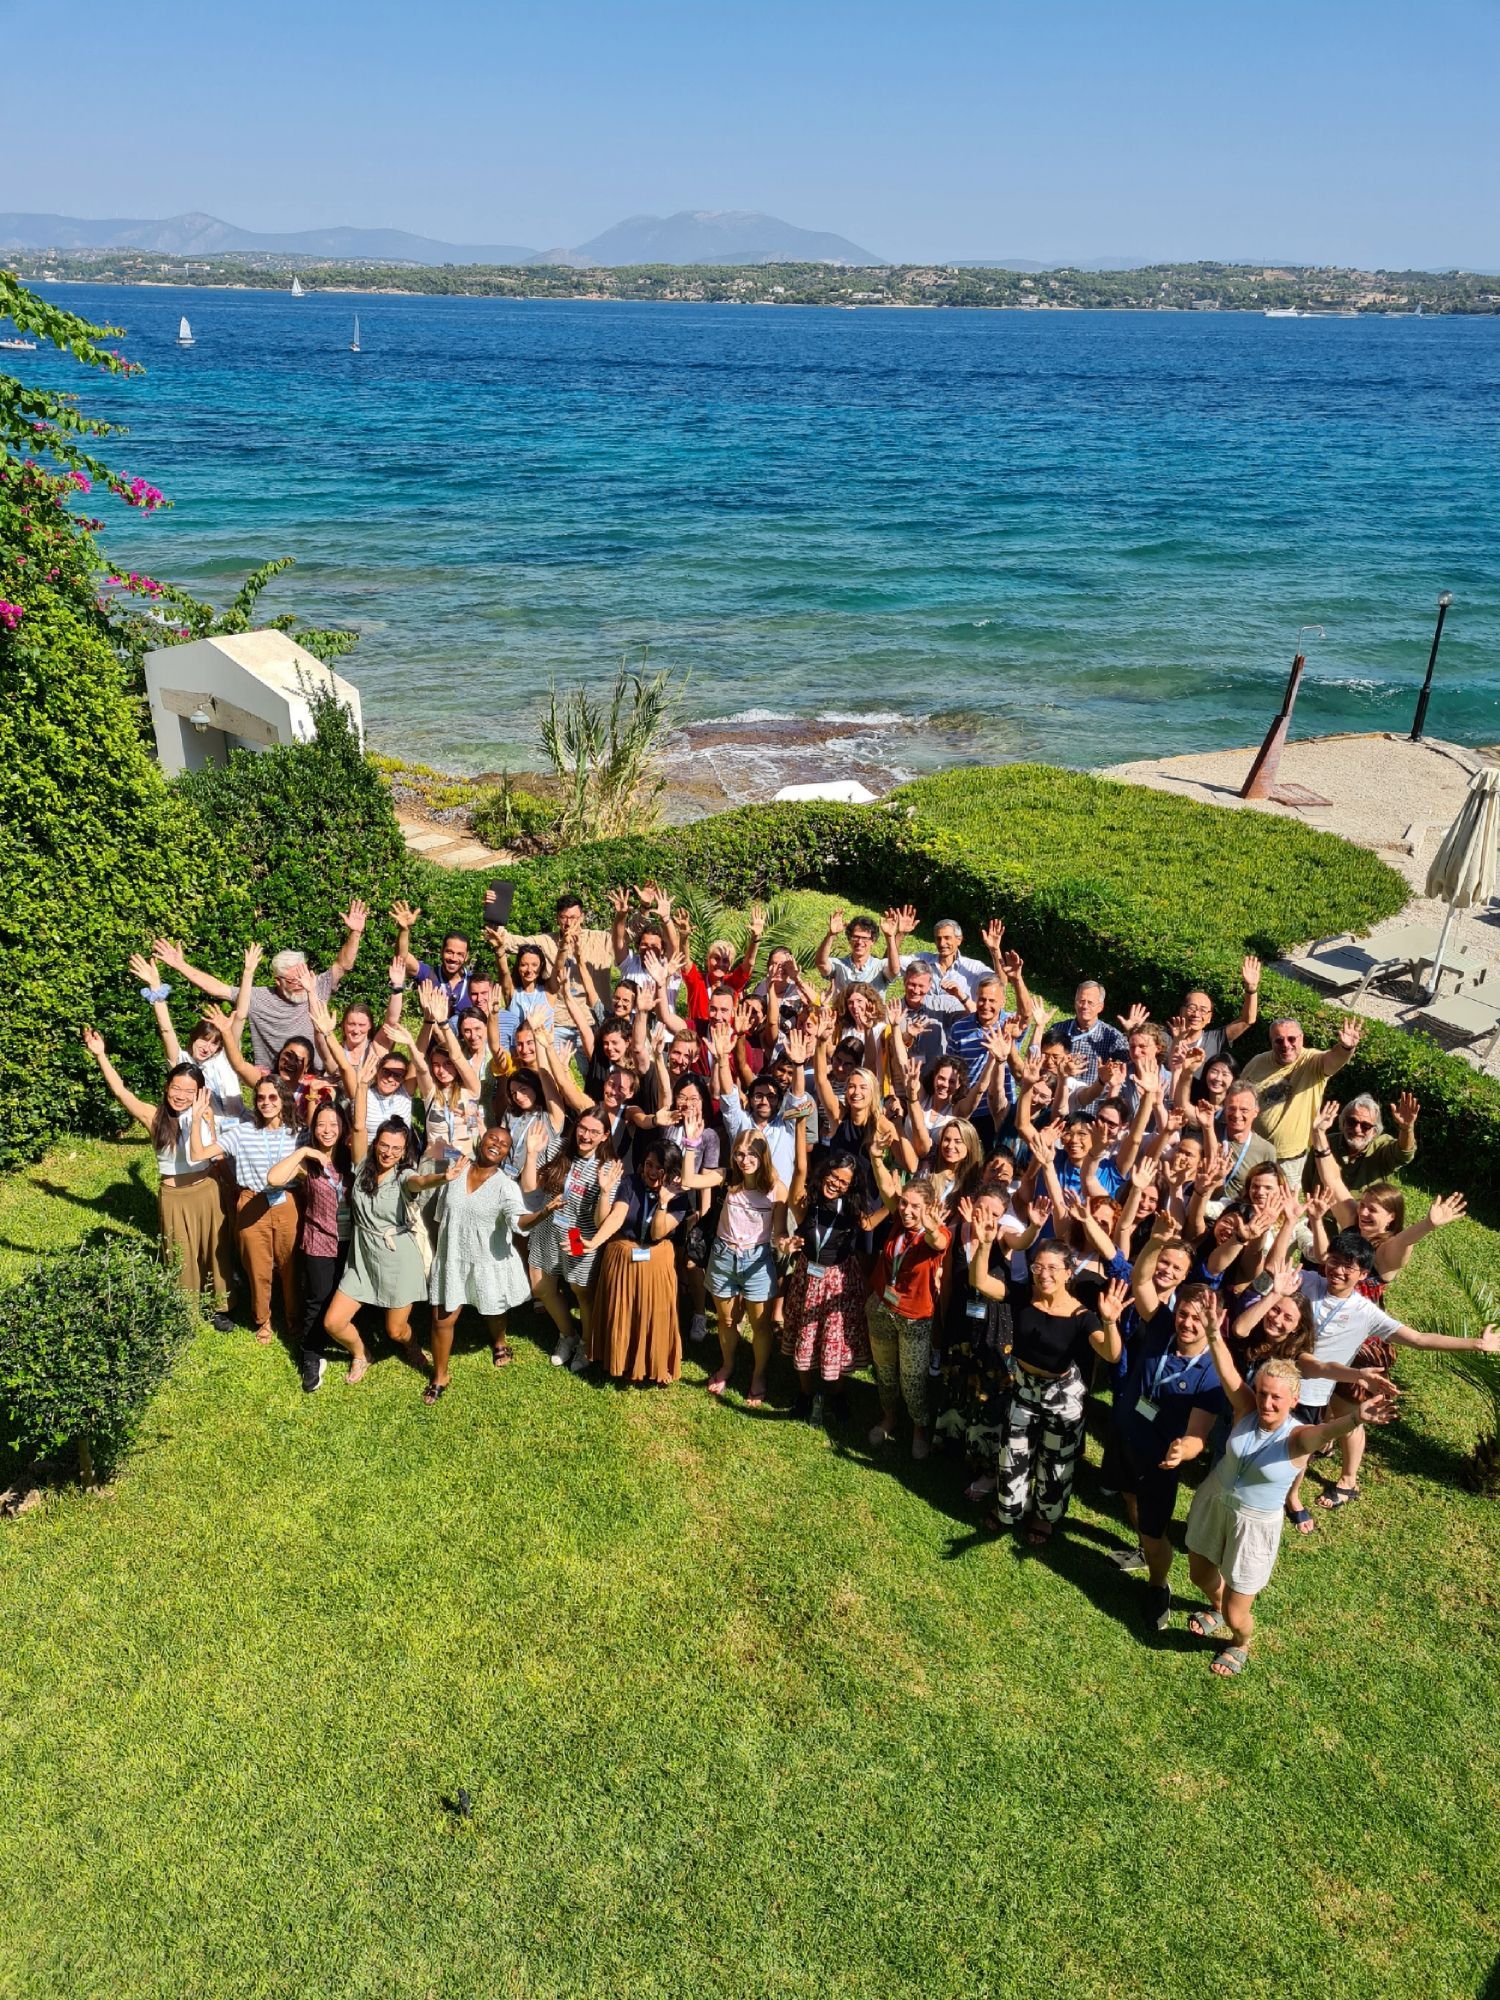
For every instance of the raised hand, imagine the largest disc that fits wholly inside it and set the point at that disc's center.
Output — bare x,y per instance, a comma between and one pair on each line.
1048,1139
1489,1340
682,917
367,1069
1148,1075
398,975
1447,1208
835,923
721,1041
497,937
356,916
456,1169
890,923
93,1041
992,935
433,1001
1286,1284
250,964
1113,1300
1404,1111
1143,1174
403,916
146,970
609,1176
1250,972
1350,1033
536,1138
169,953
1177,1027
757,920
214,1015
1133,1018
1328,1111
1317,1204
799,1046
320,1014
906,920
957,988
619,902
1189,1056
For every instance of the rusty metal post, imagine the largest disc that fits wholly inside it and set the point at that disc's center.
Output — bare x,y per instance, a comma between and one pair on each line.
1262,778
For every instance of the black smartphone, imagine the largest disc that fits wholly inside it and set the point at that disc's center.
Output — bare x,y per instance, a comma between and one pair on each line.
497,901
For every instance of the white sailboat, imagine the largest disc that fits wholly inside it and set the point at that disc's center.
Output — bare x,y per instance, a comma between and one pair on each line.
354,344
184,333
297,291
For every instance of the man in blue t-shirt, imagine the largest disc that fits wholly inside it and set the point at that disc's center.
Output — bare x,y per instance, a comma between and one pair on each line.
1166,1404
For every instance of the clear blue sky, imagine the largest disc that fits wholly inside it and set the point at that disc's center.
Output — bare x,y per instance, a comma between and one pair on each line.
1346,131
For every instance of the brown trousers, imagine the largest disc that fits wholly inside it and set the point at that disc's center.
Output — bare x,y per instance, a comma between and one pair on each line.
268,1249
192,1225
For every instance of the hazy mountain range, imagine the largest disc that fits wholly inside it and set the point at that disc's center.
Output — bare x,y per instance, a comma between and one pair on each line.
696,236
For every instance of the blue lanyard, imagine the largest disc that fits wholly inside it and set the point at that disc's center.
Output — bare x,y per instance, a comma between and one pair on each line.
1190,1376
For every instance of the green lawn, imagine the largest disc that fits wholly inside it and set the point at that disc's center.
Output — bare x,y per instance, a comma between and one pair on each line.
739,1712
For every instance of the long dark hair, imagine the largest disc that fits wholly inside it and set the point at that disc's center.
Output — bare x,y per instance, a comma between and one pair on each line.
166,1126
340,1155
551,1177
369,1173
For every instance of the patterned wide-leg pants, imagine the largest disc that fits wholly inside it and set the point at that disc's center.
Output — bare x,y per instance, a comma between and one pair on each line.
901,1350
1039,1453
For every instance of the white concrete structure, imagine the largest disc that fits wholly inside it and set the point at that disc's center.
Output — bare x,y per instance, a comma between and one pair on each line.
843,791
246,691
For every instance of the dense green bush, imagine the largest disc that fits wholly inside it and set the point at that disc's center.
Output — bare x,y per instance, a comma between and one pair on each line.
97,855
85,1341
302,829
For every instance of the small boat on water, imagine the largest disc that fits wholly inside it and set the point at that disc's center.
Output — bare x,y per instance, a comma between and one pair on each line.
354,347
18,346
184,333
297,291
1285,312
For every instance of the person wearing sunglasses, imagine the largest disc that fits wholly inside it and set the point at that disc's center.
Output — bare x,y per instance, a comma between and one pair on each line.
1351,1149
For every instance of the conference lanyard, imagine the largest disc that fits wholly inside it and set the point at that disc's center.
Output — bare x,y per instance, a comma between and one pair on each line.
1189,1379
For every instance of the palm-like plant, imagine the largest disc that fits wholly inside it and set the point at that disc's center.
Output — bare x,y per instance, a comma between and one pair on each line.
607,754
1481,1371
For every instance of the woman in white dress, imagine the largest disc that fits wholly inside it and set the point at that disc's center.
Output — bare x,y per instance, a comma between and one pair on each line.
476,1262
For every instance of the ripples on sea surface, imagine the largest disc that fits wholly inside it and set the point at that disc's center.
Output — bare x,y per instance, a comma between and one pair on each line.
882,541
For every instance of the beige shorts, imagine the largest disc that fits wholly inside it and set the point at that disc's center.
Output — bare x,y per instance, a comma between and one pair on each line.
1239,1542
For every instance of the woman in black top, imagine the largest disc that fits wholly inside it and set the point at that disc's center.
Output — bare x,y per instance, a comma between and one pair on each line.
977,1339
1056,1338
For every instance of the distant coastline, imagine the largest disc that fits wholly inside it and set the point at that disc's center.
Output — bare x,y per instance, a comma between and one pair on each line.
1157,288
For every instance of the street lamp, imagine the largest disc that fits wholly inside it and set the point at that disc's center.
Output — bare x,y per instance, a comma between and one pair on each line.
1423,698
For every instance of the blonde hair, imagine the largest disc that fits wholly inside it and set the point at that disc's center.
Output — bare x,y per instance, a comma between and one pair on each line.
1279,1370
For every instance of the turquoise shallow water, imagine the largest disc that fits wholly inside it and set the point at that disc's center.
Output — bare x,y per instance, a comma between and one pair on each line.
905,536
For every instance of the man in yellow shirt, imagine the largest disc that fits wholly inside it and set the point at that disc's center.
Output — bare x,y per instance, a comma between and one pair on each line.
1290,1080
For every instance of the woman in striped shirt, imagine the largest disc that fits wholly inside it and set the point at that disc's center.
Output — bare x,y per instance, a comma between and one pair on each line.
266,1215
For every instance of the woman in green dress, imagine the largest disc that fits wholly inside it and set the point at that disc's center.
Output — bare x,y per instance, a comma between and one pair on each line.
386,1267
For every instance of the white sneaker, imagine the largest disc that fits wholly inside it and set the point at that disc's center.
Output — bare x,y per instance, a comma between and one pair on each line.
880,1435
563,1353
699,1328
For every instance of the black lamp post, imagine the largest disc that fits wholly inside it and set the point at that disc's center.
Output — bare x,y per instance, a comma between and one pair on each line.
1425,696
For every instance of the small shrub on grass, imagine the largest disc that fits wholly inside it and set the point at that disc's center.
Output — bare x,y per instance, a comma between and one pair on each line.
86,1339
506,816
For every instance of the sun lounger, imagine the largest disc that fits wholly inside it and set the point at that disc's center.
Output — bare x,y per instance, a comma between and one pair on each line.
1345,970
1462,1022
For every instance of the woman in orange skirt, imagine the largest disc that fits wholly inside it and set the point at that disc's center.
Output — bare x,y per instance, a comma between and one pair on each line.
636,1332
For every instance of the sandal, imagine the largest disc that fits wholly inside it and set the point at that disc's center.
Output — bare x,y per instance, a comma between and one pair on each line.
756,1400
1340,1496
718,1382
500,1354
1233,1660
1301,1520
1038,1533
980,1488
435,1390
264,1335
1205,1623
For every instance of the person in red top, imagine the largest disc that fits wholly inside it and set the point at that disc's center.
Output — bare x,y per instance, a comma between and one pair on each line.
903,1304
719,965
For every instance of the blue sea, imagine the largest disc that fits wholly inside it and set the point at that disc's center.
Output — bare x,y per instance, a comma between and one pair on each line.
881,541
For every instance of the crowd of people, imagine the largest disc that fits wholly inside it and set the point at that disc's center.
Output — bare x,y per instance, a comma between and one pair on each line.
897,1158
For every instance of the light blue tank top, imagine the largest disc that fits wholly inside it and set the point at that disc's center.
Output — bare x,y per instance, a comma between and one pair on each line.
1257,1470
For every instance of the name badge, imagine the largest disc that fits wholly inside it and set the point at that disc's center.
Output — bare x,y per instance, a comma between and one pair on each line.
1144,1407
640,1253
977,1308
816,1270
891,1296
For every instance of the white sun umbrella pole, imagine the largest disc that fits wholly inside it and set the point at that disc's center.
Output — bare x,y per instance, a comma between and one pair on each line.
1463,871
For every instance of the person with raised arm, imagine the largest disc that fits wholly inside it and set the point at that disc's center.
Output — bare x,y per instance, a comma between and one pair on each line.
206,1045
741,1274
189,1214
1055,1340
1290,1080
278,1011
1350,1149
1234,1524
1343,1320
861,967
1193,1025
266,1215
475,1261
955,979
452,972
1089,1038
386,1266
977,1335
824,1332
320,1169
577,1185
637,1337
904,1288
